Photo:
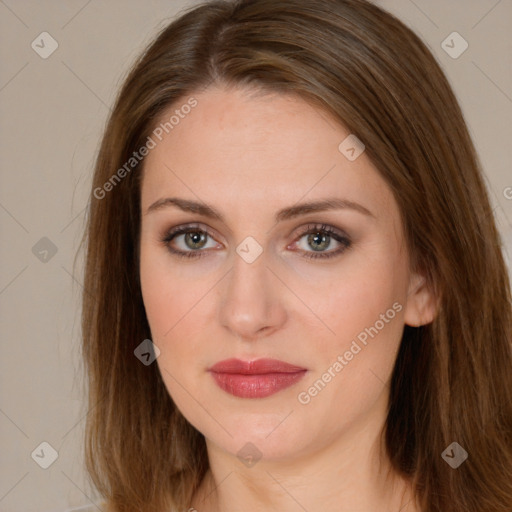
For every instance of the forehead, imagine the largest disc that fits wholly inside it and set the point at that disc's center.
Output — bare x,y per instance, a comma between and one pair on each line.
237,145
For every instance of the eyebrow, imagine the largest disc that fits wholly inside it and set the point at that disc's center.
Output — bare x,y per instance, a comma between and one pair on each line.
290,212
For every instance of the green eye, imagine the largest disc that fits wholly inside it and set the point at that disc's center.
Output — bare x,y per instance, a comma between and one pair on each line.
192,239
319,238
319,242
195,239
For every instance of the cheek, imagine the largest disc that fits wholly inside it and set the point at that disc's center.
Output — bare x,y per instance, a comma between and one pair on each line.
177,309
171,297
175,317
352,368
362,303
170,312
352,297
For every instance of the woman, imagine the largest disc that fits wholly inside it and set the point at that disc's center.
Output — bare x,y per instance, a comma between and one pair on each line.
296,295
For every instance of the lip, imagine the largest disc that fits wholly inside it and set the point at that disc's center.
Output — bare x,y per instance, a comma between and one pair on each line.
255,379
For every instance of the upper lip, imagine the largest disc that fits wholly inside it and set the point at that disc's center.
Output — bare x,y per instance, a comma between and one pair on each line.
257,367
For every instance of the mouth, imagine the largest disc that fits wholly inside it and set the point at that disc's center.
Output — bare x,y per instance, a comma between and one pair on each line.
255,379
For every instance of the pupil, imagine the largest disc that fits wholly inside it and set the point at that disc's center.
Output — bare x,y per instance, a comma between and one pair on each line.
318,241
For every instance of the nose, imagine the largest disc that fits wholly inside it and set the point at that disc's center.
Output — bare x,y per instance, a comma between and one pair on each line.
252,305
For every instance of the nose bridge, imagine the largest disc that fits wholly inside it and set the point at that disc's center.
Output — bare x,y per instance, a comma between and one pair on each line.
251,302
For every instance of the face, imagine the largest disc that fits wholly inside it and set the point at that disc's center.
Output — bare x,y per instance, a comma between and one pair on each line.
234,265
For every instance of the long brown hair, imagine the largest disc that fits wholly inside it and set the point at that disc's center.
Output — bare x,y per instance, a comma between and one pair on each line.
452,381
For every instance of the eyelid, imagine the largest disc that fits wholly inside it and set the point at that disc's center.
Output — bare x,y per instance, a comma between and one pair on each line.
168,233
320,226
299,232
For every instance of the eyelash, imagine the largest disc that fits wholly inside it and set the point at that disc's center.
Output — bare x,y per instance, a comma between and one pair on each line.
310,229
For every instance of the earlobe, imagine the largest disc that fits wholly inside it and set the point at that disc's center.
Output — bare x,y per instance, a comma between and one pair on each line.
422,305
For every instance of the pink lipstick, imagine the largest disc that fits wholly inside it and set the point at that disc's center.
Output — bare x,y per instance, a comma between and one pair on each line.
255,379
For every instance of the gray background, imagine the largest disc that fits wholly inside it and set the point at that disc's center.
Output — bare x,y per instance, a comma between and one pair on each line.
52,114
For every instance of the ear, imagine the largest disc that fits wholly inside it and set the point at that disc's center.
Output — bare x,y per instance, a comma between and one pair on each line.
422,305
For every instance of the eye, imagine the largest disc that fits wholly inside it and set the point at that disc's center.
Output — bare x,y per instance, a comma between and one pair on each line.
319,237
190,241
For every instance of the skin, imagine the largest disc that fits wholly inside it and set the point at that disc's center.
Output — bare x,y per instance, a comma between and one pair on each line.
248,156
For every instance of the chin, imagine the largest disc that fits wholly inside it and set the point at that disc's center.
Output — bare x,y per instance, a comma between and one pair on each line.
262,436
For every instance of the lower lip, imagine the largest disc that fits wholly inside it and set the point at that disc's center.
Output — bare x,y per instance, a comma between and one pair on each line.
256,386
